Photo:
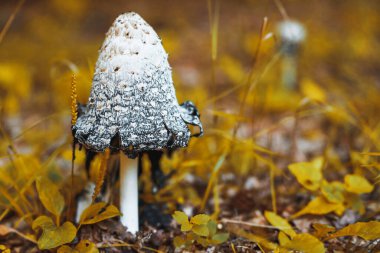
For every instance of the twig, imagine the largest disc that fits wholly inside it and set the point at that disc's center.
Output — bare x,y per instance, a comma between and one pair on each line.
129,245
225,220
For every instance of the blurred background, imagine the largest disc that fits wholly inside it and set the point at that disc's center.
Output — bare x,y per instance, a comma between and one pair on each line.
232,71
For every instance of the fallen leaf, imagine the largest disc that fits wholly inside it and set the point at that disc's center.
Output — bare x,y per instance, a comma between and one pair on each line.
320,205
50,196
53,236
357,184
283,238
179,241
305,243
366,230
280,223
308,174
98,212
313,91
66,249
322,230
86,246
333,192
254,238
354,202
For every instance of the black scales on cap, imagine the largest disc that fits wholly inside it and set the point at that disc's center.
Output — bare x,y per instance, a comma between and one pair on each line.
132,96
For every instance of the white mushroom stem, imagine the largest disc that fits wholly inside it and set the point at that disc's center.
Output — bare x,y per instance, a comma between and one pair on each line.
85,200
129,196
289,72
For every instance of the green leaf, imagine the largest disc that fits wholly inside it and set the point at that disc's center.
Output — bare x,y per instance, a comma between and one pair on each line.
279,223
50,196
201,230
333,192
220,238
200,219
366,230
98,212
53,236
212,227
180,217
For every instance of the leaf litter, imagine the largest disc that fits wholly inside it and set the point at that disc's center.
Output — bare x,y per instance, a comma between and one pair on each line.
278,170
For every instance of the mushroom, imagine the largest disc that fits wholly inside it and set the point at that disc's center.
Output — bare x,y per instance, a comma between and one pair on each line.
132,105
291,34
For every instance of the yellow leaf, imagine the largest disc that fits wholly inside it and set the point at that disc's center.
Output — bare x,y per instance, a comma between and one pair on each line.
232,68
280,223
15,79
53,236
283,238
366,230
201,230
339,115
98,212
200,219
322,230
180,217
178,241
305,243
50,196
309,174
320,205
254,238
66,249
357,184
333,192
186,226
313,91
4,249
86,246
354,202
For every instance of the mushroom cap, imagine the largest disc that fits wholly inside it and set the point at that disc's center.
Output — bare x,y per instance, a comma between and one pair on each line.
132,96
291,31
291,34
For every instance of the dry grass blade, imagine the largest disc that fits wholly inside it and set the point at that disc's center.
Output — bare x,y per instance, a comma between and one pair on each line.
212,179
10,20
102,169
